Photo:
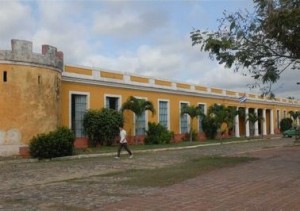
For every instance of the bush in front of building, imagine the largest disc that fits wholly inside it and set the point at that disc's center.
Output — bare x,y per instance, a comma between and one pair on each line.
57,143
157,134
286,124
209,127
102,126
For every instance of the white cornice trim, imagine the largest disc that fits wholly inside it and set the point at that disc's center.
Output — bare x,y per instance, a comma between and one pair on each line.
72,77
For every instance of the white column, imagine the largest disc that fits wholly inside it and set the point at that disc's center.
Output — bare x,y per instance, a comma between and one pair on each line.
271,122
247,123
264,122
256,124
237,125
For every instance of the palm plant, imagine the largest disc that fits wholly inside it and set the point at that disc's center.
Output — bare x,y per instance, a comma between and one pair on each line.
220,115
294,115
138,106
253,117
231,114
193,112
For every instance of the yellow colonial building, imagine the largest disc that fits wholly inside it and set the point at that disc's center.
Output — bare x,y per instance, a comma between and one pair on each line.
38,93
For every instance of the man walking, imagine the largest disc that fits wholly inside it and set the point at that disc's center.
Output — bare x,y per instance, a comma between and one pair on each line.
123,143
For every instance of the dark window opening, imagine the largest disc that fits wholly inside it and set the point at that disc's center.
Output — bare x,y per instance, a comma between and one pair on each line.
39,79
5,76
112,103
78,109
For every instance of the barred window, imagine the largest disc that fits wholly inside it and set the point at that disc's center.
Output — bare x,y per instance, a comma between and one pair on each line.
140,124
183,120
78,109
200,119
163,113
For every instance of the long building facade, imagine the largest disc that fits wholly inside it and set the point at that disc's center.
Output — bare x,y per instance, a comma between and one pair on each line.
38,93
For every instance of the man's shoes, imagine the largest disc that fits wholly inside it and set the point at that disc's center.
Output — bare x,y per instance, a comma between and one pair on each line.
131,156
117,157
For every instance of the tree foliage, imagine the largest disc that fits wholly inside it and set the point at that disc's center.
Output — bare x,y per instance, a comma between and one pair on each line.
294,115
252,118
138,106
56,143
102,126
193,112
218,115
264,43
157,134
285,124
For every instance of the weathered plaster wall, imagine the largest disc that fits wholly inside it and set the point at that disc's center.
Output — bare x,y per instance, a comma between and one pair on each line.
29,93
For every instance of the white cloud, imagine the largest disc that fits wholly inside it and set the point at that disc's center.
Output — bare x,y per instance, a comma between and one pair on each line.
15,21
128,20
148,38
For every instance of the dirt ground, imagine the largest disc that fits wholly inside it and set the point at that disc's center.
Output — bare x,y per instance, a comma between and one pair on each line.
80,184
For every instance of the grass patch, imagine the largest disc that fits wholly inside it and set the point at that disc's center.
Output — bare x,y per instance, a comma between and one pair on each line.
170,175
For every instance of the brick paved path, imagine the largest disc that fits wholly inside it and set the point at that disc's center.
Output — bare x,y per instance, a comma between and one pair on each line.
271,183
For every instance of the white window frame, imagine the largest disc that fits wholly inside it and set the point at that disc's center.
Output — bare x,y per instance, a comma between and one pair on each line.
115,96
188,117
87,94
168,107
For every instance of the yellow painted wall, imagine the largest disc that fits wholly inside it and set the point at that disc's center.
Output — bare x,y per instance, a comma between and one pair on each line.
201,88
183,86
111,75
78,70
29,102
98,92
139,79
163,83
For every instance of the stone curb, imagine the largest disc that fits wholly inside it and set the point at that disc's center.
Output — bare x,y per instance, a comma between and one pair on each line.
157,150
73,157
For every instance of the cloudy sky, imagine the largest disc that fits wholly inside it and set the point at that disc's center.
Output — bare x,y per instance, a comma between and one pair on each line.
147,37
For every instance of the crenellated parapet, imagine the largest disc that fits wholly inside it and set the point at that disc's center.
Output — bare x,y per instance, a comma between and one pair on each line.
22,52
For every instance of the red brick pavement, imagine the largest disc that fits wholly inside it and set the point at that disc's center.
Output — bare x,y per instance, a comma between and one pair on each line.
270,183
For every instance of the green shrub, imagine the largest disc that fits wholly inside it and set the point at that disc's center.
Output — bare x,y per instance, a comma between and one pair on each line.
91,125
157,134
57,143
210,127
285,124
102,126
109,125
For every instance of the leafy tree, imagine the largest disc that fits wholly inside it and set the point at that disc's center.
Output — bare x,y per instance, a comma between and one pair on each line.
138,106
193,112
264,43
285,124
